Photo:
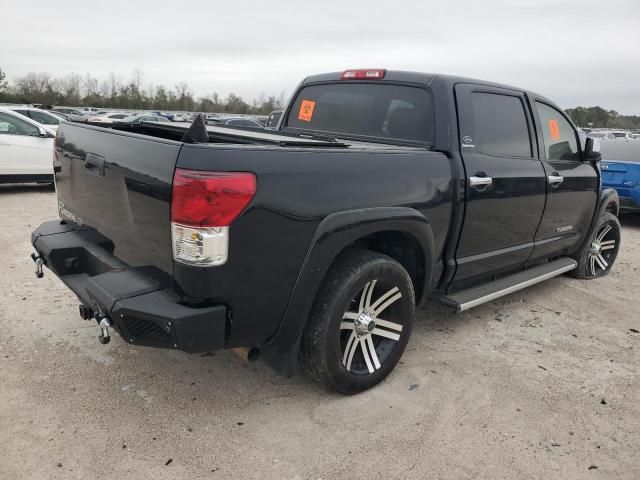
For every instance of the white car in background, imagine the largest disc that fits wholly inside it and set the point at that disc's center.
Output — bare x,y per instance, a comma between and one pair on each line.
621,134
601,134
26,149
43,117
108,118
74,114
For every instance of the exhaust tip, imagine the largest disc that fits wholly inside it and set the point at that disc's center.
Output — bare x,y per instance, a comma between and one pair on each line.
248,354
85,312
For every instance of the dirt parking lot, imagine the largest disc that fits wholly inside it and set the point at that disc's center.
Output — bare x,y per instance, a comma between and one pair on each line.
541,384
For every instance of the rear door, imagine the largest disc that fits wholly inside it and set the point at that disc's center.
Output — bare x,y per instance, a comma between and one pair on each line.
505,184
572,185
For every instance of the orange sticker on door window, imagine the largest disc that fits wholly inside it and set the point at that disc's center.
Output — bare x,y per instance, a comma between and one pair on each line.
554,129
306,110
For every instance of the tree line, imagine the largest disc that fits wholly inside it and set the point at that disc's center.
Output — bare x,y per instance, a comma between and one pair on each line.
114,93
599,117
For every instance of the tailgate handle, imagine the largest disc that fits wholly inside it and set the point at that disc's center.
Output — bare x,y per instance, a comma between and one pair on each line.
95,164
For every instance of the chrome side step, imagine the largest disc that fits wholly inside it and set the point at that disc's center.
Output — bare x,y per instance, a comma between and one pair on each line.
466,299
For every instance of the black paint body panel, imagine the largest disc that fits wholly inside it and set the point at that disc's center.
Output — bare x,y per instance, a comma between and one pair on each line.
297,190
313,201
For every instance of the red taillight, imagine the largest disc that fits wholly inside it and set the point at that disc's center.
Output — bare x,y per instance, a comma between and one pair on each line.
210,199
371,74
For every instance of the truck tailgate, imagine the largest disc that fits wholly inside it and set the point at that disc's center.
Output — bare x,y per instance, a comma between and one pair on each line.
119,184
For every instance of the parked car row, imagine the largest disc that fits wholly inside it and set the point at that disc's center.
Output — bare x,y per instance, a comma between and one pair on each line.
53,116
27,132
601,133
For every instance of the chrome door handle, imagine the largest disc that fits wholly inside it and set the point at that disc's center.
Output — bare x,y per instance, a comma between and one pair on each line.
555,179
480,181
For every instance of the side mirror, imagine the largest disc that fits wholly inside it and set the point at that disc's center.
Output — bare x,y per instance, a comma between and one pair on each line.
591,151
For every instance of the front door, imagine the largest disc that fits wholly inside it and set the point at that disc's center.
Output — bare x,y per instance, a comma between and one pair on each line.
505,182
572,185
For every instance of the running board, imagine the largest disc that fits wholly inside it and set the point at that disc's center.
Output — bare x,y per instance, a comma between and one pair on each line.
466,299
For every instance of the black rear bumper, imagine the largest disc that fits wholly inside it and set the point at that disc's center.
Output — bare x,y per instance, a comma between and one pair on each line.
140,308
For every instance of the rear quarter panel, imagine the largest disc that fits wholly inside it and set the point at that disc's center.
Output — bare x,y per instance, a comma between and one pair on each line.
297,189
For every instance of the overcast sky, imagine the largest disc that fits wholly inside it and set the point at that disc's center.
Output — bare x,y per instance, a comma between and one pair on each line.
577,52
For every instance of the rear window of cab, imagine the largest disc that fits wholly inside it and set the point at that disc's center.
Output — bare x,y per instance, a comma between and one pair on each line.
381,111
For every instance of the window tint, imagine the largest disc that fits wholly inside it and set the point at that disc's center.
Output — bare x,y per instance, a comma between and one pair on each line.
44,118
10,125
500,125
559,136
372,110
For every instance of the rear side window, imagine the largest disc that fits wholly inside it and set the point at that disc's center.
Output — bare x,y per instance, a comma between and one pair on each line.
382,111
560,141
500,125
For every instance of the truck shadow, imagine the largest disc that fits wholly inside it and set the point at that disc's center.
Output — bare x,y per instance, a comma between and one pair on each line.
26,188
631,220
207,377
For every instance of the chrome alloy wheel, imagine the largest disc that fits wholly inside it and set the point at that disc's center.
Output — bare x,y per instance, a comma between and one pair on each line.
367,339
602,249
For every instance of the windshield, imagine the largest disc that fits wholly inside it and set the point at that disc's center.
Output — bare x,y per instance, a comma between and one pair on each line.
619,134
379,110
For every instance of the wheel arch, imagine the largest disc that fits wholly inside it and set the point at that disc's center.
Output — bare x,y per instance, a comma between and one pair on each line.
376,229
607,202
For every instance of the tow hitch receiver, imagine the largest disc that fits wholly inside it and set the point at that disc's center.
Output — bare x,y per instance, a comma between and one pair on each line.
39,264
104,336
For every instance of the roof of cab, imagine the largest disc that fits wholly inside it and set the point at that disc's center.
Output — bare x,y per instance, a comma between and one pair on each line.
428,79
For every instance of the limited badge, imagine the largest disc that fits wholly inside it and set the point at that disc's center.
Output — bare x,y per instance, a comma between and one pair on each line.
306,110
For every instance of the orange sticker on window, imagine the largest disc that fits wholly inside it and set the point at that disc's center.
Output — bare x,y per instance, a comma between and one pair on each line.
554,129
306,110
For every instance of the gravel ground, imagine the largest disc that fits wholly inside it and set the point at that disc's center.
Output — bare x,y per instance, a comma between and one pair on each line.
541,384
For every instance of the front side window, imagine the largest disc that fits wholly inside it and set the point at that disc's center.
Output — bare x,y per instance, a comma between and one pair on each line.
10,125
500,125
560,141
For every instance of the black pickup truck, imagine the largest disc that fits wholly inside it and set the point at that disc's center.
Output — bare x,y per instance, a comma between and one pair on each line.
314,243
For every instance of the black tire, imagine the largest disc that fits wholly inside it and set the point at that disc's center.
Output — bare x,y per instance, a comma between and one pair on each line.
358,287
599,254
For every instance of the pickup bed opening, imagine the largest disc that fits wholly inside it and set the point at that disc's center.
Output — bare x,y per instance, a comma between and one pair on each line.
230,135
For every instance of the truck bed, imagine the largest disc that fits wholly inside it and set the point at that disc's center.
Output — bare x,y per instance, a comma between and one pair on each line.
119,183
225,134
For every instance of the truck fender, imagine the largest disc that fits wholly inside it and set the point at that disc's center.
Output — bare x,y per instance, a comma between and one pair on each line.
336,232
608,200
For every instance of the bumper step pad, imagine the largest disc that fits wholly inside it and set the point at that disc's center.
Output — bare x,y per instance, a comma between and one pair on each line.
141,309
